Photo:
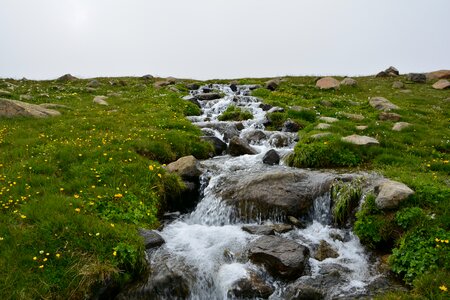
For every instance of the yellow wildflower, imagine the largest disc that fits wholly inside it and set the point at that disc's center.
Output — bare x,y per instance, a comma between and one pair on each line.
112,225
41,266
115,253
61,189
150,168
77,210
159,175
58,255
45,259
443,288
35,258
446,241
118,196
76,196
23,216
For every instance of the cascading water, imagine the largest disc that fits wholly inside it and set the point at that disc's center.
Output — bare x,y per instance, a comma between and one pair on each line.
206,251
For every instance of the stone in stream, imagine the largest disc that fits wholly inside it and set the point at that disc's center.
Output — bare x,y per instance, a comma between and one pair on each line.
390,193
302,291
259,229
281,257
296,222
208,96
220,147
360,140
250,287
282,228
325,251
239,147
274,193
327,83
271,157
186,167
14,108
265,107
234,86
290,126
279,140
100,100
416,77
255,136
229,131
389,116
441,84
382,103
193,100
152,239
399,126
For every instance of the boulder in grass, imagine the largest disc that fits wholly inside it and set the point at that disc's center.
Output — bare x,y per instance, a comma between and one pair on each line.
187,167
94,83
67,77
441,84
14,108
398,85
399,126
417,77
101,100
349,82
390,193
382,103
328,119
327,83
360,140
272,84
441,74
388,116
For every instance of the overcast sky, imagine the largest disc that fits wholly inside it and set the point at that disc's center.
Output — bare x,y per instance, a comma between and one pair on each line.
205,39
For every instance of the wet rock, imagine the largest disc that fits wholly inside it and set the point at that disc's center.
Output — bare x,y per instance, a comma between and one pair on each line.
100,100
66,77
234,86
296,222
355,117
388,116
152,239
259,229
322,126
399,126
193,100
281,257
275,192
252,87
361,127
255,136
441,84
441,74
360,140
93,83
349,82
14,108
382,103
328,119
193,86
271,157
208,96
390,193
300,291
417,77
4,93
272,84
327,83
147,77
250,288
186,167
282,228
239,147
398,85
279,140
220,147
325,251
290,126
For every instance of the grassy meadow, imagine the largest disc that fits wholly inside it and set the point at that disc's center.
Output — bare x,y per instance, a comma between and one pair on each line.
75,188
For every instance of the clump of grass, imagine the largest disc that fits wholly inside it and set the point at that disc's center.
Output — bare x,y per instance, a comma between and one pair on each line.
345,197
235,113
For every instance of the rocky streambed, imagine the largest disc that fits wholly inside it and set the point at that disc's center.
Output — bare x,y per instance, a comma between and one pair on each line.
260,230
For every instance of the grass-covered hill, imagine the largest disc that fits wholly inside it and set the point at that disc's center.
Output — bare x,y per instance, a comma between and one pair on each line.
74,188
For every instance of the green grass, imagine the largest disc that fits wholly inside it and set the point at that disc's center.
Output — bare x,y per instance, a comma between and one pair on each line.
235,113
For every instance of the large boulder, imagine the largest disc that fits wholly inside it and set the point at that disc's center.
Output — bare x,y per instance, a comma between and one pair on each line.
94,83
327,83
441,74
390,193
67,77
398,85
360,140
239,147
220,147
382,103
272,84
417,77
14,108
186,167
271,157
274,192
442,84
151,238
251,287
389,72
281,257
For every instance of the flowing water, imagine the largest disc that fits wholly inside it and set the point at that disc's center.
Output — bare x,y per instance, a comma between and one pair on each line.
207,247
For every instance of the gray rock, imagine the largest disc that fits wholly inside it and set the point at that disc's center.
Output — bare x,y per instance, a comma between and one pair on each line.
279,140
251,287
361,127
327,83
208,96
255,136
14,108
356,117
296,222
282,257
147,77
399,126
161,84
152,239
328,119
349,82
220,147
271,157
417,77
360,140
392,70
187,167
442,84
53,105
390,193
101,100
171,80
382,103
302,291
325,251
67,77
239,147
318,136
259,229
398,85
290,126
322,126
193,86
282,228
441,74
388,116
93,83
272,84
265,107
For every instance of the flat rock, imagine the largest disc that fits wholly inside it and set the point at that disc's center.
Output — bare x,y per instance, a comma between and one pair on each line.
398,85
328,119
282,257
208,96
14,108
382,103
53,105
361,127
67,77
360,140
441,74
389,116
322,126
327,83
416,77
101,100
238,146
399,126
187,167
442,84
259,229
356,117
349,82
318,136
390,193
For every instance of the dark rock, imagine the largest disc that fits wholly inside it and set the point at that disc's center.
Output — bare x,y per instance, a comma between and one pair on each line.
193,100
417,77
300,291
233,87
67,77
271,157
255,136
382,103
250,288
239,147
252,87
265,107
193,86
272,84
220,147
206,90
259,229
230,131
291,126
94,83
208,96
282,257
147,77
325,251
392,71
240,126
152,239
279,140
296,222
282,228
388,116
276,109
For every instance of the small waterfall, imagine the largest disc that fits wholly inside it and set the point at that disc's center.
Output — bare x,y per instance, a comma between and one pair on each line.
206,252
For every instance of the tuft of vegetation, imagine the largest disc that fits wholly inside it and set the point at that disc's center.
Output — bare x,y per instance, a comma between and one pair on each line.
235,113
345,197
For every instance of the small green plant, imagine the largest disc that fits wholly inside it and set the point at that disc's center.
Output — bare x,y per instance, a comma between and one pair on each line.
345,197
410,217
235,113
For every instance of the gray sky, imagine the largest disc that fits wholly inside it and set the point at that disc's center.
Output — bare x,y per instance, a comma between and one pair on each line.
205,39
